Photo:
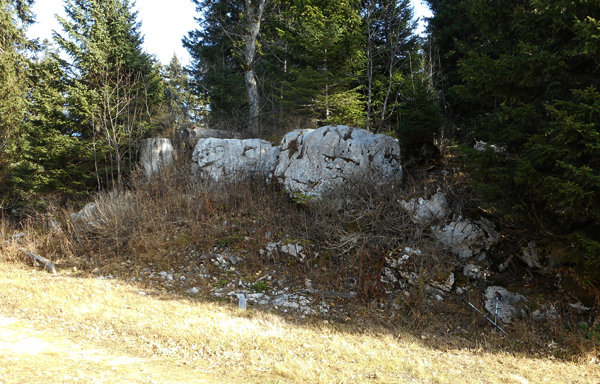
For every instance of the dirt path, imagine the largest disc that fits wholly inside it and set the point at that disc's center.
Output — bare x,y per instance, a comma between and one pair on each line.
29,355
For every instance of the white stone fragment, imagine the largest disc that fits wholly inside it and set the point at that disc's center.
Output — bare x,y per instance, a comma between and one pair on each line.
579,307
294,250
530,255
425,211
465,238
473,271
193,291
509,307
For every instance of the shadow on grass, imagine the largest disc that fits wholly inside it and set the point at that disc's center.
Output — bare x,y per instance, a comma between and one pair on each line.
445,325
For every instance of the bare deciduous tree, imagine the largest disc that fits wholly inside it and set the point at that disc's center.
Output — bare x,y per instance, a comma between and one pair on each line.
119,118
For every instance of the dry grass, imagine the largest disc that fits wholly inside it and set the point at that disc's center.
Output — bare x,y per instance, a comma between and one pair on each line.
169,338
172,217
168,222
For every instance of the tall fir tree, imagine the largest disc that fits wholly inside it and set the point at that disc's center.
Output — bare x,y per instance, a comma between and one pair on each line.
309,61
525,75
392,51
15,16
324,60
183,107
113,86
216,66
51,159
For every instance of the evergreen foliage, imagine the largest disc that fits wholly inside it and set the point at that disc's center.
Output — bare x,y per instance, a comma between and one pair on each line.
113,86
216,66
525,75
324,59
393,60
420,116
50,157
15,16
183,108
313,60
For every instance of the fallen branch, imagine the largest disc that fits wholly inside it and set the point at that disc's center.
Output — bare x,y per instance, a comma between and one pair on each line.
36,259
42,262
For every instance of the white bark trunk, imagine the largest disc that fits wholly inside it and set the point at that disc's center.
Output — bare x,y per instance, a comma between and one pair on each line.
369,67
254,16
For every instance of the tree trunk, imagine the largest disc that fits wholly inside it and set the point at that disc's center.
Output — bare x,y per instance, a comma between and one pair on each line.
254,16
369,67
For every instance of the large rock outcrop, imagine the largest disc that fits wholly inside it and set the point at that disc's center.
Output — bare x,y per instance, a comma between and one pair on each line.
313,162
155,155
222,159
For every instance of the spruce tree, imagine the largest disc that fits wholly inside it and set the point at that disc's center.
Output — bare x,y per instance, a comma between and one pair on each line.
113,86
184,107
324,60
51,158
15,16
216,66
392,52
525,77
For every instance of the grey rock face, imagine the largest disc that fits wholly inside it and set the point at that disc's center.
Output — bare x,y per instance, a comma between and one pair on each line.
530,255
85,213
155,155
511,305
313,162
425,211
473,271
465,238
219,159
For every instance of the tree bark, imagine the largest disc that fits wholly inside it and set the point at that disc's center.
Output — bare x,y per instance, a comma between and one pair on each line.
369,66
254,15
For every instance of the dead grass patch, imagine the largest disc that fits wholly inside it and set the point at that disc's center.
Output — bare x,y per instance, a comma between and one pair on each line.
221,344
169,222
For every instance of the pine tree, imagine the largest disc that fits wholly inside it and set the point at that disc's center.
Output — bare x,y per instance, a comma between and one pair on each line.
113,87
529,74
216,66
184,108
15,16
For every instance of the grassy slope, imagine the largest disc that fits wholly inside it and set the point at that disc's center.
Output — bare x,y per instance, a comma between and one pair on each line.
86,326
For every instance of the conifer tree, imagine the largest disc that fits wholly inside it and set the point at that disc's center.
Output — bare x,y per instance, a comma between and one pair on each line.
51,156
216,66
113,86
15,16
310,62
525,76
324,60
393,61
183,106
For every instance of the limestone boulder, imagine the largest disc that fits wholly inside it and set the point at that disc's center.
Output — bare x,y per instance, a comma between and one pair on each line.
155,155
466,238
228,159
313,162
510,305
424,211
